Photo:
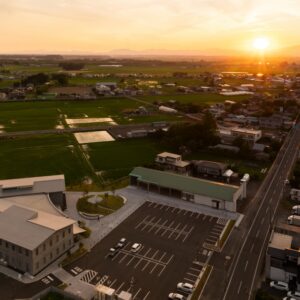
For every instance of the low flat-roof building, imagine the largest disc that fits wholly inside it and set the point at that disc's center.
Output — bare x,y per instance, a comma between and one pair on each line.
172,162
32,185
283,259
200,191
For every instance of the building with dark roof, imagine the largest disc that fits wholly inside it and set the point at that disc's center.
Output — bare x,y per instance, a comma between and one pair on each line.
200,191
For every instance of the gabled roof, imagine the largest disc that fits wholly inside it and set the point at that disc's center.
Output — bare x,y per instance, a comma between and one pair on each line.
187,184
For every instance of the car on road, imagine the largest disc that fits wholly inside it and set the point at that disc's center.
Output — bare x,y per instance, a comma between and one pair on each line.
279,285
113,252
176,296
185,287
295,295
121,243
136,247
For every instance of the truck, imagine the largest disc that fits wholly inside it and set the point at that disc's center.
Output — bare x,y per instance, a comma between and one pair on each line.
296,210
294,220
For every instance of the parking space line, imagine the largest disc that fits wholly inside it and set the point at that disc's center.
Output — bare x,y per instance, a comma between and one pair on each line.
173,231
204,217
211,218
168,228
116,256
161,207
194,269
168,207
143,221
173,209
160,227
187,279
113,282
153,225
188,234
157,204
133,257
147,223
198,216
185,212
161,271
170,259
162,256
180,232
192,213
137,293
146,296
191,274
119,288
179,211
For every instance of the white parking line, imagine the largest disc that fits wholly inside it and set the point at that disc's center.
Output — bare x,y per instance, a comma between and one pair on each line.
252,248
173,209
136,293
147,223
188,234
161,207
191,215
162,256
160,227
168,228
240,285
113,283
246,265
174,230
119,288
198,216
204,217
191,274
133,257
185,212
153,225
211,218
190,280
143,221
180,232
179,211
168,207
146,296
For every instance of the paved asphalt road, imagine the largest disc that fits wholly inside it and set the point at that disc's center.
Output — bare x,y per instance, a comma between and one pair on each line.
247,247
239,276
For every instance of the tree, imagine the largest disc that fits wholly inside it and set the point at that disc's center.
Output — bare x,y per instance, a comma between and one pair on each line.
36,79
60,78
72,66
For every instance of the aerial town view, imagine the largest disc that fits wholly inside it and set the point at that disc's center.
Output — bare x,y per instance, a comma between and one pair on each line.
149,150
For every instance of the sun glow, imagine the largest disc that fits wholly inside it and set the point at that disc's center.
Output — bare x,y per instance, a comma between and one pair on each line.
261,43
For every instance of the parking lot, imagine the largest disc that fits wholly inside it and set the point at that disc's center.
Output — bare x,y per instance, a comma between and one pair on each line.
175,246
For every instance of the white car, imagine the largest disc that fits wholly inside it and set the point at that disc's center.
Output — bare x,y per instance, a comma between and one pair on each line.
136,247
288,298
295,295
121,243
279,285
185,287
176,296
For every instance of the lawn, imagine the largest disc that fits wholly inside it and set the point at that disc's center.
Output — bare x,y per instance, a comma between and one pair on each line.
39,115
42,156
117,159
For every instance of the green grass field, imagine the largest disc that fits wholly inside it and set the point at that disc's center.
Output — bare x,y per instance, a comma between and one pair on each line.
23,116
118,158
204,98
41,156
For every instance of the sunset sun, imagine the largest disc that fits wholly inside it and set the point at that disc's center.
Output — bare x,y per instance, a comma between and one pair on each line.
261,43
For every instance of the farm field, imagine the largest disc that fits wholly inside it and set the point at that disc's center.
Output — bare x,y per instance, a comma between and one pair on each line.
203,98
41,156
22,116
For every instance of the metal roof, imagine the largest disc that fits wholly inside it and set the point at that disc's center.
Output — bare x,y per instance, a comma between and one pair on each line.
187,184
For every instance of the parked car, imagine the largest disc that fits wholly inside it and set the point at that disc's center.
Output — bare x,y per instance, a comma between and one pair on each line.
113,252
185,287
279,285
121,243
136,247
296,210
176,296
295,295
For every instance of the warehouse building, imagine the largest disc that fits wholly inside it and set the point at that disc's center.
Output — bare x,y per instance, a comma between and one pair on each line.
210,193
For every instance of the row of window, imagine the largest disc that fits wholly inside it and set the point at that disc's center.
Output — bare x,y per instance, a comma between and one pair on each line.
53,239
14,247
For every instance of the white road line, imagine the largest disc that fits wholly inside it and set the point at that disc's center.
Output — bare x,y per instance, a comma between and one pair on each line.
119,288
267,210
257,233
180,232
190,280
113,283
153,268
169,259
146,296
133,257
136,293
125,255
194,269
246,265
145,255
188,234
173,209
252,248
160,227
163,268
148,223
262,221
240,285
152,257
191,274
174,230
169,227
162,257
153,225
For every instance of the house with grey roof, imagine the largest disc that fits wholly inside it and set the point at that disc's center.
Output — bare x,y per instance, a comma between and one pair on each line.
30,239
210,193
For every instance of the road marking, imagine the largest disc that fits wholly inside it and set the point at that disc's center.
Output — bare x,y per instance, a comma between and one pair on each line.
147,223
257,233
191,274
153,225
168,228
143,221
198,216
211,218
188,234
162,256
160,227
119,288
136,293
239,289
113,283
133,257
146,296
168,207
173,209
185,212
190,280
204,217
174,230
246,265
252,248
262,220
180,232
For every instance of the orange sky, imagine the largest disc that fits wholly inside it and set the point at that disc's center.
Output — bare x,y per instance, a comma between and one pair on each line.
96,26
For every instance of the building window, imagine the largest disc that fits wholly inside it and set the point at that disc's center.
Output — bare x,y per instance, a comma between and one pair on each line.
26,252
13,247
69,230
6,244
20,250
37,251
